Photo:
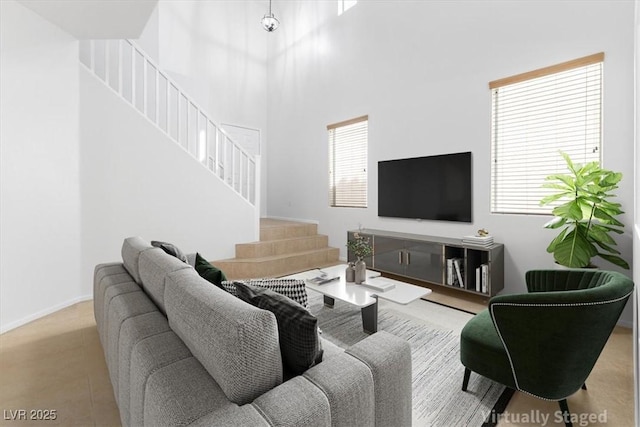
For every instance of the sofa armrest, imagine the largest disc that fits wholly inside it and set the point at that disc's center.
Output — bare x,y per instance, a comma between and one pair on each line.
389,359
369,384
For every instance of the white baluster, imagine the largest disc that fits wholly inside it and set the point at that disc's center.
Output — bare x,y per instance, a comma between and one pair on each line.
120,59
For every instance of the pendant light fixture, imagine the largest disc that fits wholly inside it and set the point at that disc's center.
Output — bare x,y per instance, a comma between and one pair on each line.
269,22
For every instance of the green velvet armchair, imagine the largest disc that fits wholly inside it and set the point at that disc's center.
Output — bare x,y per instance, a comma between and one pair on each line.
546,342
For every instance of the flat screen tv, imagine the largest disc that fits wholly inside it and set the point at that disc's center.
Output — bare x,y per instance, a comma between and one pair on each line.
432,187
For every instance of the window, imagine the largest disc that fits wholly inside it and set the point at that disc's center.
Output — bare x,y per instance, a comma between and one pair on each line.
535,116
348,163
344,5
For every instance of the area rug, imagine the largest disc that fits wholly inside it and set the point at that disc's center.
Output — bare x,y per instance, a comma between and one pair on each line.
437,372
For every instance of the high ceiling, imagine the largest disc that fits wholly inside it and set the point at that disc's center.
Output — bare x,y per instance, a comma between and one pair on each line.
96,19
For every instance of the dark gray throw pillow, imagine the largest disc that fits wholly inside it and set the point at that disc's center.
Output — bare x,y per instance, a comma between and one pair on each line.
297,328
171,249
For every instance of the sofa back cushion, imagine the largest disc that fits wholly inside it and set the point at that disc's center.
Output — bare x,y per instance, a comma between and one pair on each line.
235,342
154,266
132,247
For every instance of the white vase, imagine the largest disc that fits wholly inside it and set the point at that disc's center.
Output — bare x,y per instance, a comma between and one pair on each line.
361,271
350,273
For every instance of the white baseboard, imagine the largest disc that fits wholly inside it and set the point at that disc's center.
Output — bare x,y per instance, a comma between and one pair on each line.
42,313
625,324
284,218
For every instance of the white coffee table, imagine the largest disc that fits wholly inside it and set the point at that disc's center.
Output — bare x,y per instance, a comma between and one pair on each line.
360,295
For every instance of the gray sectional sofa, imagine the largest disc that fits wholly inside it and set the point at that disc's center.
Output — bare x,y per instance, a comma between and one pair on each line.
181,351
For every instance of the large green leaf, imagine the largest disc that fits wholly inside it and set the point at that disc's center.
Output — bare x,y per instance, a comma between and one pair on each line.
608,248
615,260
612,178
570,210
610,207
556,222
551,198
607,227
606,218
554,242
566,181
569,162
598,235
574,250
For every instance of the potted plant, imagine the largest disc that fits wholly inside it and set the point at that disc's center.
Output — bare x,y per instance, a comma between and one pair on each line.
361,248
587,217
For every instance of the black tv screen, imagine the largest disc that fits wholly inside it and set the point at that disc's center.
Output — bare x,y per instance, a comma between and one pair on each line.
433,187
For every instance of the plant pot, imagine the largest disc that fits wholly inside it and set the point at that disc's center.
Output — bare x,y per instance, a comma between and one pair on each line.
557,266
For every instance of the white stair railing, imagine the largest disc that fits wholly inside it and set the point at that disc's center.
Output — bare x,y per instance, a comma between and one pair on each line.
133,75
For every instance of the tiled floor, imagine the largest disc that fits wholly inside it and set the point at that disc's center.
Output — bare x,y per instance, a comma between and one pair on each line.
57,363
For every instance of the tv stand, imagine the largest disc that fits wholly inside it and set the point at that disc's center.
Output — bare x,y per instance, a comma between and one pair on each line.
433,259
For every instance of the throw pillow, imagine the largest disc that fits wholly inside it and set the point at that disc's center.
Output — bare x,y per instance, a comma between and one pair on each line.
209,272
297,328
292,288
171,249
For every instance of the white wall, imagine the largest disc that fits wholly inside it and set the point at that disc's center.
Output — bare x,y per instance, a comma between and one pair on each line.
217,52
135,181
40,196
636,231
420,70
81,170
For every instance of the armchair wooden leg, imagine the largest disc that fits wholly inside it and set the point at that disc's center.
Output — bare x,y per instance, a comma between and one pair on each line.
584,386
465,381
564,407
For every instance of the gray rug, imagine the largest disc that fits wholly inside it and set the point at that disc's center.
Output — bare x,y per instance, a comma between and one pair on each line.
437,371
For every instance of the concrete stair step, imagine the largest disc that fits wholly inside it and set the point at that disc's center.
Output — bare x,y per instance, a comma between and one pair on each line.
274,229
281,247
277,265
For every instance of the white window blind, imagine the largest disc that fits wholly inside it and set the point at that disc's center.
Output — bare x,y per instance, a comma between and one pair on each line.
348,163
535,116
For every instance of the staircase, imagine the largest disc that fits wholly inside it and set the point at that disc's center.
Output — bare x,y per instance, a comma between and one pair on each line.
139,81
285,247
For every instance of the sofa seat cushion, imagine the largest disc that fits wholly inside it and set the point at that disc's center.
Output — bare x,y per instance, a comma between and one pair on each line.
148,356
155,264
182,393
296,402
235,342
134,330
329,349
122,307
106,276
349,386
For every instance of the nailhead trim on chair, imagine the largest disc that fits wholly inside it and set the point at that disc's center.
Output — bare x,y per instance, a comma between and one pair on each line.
513,304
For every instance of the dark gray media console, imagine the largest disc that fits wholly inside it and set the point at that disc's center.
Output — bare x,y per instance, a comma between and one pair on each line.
425,258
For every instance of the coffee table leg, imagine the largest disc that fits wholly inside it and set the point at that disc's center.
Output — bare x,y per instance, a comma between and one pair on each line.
370,318
328,301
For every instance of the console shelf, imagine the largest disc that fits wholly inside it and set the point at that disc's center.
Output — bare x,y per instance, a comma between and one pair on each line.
433,259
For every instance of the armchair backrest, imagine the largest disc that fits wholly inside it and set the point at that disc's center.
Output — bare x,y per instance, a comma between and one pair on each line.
554,334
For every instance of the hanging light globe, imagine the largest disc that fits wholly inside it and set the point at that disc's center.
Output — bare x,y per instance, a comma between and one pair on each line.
269,22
